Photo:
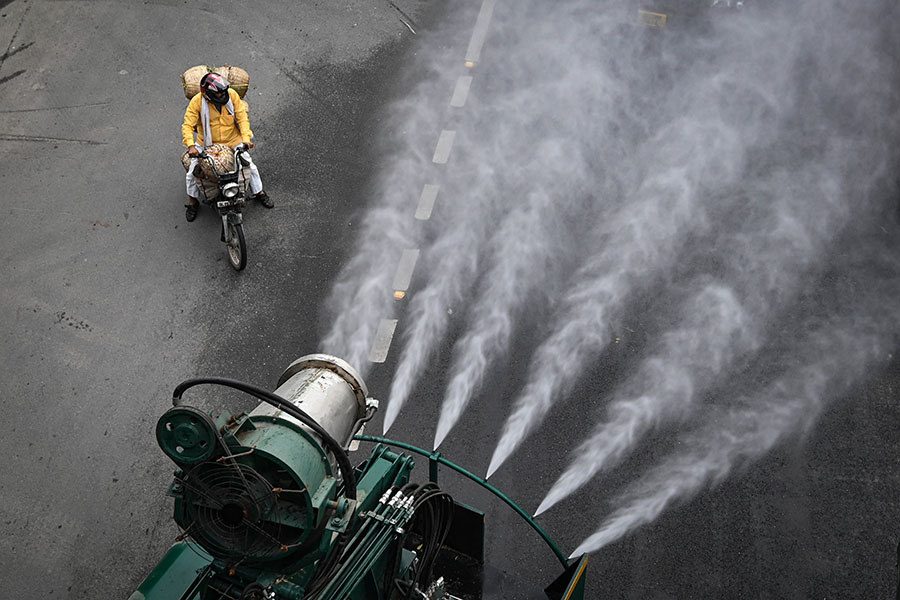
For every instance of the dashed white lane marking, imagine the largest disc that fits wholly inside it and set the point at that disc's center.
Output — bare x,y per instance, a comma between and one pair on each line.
426,201
473,53
442,150
461,92
382,342
384,335
404,272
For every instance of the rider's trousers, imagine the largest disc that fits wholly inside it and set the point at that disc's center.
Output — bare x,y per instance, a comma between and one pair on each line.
193,188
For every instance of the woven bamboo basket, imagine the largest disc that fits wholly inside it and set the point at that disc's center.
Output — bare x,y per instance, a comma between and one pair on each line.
190,80
222,161
237,77
222,157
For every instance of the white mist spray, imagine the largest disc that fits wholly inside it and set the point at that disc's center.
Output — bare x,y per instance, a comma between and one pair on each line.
362,294
759,114
453,262
519,168
643,239
733,437
764,74
765,261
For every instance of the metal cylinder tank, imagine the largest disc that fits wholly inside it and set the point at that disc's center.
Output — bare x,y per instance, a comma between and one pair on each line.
327,389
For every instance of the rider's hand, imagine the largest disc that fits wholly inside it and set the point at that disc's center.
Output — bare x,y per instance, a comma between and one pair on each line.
193,152
250,145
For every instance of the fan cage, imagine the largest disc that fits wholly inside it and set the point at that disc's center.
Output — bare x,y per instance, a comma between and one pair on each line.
238,513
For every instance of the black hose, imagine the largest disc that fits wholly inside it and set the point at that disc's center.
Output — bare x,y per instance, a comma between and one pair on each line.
432,520
277,401
434,510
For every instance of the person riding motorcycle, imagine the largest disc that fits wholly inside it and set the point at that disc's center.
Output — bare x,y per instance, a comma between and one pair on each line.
219,116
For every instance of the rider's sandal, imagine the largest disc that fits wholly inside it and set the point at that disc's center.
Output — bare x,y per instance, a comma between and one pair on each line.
265,200
190,212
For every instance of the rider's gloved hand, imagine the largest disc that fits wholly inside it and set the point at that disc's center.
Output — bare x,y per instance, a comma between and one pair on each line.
250,145
193,151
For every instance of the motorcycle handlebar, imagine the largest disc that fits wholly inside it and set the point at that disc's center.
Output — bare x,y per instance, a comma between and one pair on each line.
242,147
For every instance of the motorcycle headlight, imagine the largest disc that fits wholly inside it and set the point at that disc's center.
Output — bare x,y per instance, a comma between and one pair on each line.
230,190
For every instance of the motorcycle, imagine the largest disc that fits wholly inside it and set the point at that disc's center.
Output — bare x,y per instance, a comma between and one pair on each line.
223,176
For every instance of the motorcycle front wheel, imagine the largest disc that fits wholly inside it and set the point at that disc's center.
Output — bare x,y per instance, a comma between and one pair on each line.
237,247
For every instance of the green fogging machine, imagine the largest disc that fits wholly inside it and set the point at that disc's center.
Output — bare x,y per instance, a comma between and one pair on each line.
270,506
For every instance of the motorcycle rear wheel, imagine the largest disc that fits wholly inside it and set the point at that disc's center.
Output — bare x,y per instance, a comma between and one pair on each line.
237,247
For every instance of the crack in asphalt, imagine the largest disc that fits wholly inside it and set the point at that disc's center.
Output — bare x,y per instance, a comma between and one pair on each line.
13,76
13,137
21,110
9,51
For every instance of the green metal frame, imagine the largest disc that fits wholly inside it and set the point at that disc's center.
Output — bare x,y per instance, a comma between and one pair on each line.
435,459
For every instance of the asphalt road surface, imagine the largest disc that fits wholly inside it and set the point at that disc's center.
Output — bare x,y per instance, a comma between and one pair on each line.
110,299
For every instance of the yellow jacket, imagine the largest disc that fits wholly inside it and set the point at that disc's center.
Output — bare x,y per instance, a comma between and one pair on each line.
221,123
